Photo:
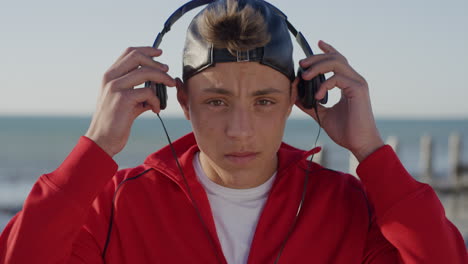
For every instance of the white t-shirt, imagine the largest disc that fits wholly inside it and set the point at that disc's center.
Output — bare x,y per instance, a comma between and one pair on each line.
236,213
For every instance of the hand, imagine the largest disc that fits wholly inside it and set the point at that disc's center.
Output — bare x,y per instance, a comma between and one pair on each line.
350,122
119,103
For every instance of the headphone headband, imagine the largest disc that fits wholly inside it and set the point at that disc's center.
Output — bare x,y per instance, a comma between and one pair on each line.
306,89
176,15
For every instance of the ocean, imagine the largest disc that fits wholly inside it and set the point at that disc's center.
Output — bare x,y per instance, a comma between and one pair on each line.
31,146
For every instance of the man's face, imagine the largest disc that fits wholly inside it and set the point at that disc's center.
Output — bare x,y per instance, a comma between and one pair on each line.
238,112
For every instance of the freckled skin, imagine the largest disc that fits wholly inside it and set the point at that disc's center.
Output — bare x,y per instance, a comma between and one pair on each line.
244,111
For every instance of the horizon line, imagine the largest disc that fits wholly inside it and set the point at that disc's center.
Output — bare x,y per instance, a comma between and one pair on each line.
181,116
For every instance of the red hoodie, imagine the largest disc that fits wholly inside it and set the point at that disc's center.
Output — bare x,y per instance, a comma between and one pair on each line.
387,218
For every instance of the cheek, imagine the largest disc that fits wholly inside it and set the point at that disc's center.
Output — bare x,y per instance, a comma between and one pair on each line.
205,125
271,129
201,119
208,130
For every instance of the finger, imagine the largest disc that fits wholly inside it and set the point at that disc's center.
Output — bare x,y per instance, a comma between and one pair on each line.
140,76
339,81
135,59
326,66
327,48
305,63
330,53
145,99
132,59
149,51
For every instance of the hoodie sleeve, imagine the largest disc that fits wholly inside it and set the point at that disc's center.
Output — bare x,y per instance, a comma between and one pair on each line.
409,215
53,214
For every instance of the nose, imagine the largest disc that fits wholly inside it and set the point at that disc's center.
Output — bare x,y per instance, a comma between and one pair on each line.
240,124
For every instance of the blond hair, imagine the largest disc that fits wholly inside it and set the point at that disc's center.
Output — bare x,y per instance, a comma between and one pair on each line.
228,27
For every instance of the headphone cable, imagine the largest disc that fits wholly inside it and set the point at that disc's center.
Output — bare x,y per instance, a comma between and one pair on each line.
304,190
205,227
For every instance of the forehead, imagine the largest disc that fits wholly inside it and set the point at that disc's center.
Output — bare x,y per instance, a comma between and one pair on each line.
232,75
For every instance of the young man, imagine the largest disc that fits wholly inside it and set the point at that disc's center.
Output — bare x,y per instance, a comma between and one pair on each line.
238,197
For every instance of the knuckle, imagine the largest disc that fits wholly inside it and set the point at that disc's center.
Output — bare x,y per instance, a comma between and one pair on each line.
341,58
360,79
159,64
335,56
107,76
145,71
364,83
129,50
134,54
112,85
361,83
120,96
329,60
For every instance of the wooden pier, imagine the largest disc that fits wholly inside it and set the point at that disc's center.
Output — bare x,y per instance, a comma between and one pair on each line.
451,189
456,180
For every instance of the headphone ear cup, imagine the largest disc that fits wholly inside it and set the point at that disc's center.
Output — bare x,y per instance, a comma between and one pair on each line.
306,90
318,81
161,93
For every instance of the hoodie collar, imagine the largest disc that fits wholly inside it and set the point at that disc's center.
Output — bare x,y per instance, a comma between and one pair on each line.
186,147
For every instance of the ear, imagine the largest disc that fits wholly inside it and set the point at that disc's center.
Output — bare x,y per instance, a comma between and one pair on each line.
293,95
182,97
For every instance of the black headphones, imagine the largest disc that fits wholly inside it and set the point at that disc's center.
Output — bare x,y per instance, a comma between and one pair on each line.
306,89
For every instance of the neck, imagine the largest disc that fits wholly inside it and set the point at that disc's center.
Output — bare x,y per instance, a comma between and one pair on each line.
238,179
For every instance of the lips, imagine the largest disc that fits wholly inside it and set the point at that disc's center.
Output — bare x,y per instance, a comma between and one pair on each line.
241,154
241,157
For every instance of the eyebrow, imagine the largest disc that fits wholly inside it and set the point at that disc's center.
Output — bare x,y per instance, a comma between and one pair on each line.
223,91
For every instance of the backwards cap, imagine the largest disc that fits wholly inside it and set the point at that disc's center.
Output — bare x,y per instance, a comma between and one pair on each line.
199,54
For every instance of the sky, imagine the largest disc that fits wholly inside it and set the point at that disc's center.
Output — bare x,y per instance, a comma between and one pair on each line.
412,53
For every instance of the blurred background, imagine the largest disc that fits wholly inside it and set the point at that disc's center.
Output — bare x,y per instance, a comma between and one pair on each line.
412,53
